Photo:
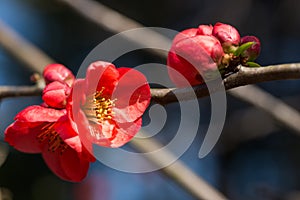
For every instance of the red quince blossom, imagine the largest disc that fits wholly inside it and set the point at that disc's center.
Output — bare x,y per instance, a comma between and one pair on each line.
108,104
251,53
226,34
193,56
48,131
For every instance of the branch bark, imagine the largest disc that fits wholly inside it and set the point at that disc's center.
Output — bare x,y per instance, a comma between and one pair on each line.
18,91
245,76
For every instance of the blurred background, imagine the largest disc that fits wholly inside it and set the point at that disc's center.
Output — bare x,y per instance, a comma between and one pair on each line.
256,158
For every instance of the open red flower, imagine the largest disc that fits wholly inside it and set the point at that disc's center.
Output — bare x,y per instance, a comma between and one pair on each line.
108,104
48,131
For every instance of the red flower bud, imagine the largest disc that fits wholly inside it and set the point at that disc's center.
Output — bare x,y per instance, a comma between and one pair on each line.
205,30
192,56
185,34
58,72
226,34
251,53
55,94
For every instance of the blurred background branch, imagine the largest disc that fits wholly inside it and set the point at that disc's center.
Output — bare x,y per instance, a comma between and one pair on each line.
5,194
22,50
186,177
277,109
3,152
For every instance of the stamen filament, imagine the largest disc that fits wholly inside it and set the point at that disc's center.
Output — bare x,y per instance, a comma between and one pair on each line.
49,135
99,107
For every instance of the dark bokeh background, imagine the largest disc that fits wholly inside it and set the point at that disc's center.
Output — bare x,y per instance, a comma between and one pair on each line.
255,159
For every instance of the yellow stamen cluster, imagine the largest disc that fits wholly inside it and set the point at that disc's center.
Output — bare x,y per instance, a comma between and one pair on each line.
49,135
98,108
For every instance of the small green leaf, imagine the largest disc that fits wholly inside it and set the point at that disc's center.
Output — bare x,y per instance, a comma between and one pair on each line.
252,64
243,48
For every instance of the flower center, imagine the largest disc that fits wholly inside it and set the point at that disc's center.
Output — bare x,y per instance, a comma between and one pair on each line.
99,108
53,139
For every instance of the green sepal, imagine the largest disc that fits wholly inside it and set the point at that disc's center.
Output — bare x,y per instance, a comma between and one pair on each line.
252,64
243,48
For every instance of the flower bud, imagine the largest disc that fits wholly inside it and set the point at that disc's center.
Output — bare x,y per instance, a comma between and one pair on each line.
58,72
192,56
188,33
226,34
55,94
251,53
205,30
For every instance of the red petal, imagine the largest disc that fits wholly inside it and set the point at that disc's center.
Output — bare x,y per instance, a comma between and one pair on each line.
82,125
75,165
67,130
22,136
226,33
101,133
55,94
53,161
132,95
185,34
205,30
108,134
69,165
39,114
101,74
125,133
199,50
181,72
77,96
58,72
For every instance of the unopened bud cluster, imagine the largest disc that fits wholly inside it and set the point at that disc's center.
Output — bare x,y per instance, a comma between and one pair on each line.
197,54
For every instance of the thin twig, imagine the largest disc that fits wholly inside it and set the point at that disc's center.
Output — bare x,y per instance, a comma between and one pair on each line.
245,76
18,91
